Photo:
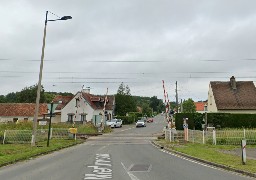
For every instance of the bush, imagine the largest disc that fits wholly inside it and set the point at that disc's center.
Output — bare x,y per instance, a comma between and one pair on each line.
228,120
126,119
195,120
223,120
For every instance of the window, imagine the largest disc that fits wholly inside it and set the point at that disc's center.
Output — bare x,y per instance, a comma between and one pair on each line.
205,108
83,117
71,117
15,120
77,101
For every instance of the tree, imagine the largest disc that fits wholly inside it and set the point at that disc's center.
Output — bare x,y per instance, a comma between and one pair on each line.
189,106
2,99
121,89
29,94
157,104
11,97
124,101
146,110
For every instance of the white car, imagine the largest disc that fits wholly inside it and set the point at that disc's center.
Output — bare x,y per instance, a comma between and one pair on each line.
140,123
114,123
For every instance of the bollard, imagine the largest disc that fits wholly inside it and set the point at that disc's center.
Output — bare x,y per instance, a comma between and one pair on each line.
243,144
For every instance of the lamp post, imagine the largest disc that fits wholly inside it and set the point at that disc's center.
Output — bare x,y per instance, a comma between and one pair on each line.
33,140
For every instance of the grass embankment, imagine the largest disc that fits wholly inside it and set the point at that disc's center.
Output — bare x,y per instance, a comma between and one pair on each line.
81,128
213,154
10,153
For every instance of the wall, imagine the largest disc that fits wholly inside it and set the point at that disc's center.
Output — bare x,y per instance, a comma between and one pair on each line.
83,107
4,119
211,101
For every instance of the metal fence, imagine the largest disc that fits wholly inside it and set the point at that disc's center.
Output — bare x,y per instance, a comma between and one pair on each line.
216,137
24,136
234,137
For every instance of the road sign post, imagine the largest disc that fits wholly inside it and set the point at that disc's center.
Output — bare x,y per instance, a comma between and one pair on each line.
185,127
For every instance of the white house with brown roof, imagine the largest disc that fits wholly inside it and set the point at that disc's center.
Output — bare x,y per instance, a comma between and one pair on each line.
86,107
11,112
232,96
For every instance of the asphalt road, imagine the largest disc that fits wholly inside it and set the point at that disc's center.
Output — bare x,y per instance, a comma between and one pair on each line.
125,154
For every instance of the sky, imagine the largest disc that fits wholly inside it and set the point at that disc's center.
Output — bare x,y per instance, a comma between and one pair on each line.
138,42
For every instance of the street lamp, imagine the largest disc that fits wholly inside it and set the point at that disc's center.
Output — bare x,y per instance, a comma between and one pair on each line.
33,140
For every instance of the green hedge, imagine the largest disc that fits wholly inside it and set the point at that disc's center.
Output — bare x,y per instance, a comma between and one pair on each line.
126,119
195,120
220,120
136,115
227,120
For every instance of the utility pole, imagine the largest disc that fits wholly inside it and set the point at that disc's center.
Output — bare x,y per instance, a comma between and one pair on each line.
176,90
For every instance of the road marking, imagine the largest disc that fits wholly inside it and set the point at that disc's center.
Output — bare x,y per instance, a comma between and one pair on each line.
133,177
101,168
101,148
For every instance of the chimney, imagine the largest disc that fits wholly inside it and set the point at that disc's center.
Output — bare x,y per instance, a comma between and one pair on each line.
86,90
233,82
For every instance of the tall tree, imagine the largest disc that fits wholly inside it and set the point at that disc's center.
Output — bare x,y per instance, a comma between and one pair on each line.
121,89
189,106
157,104
124,101
28,95
146,110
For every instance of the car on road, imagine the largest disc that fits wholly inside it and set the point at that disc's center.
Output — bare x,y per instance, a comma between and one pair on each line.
140,123
150,120
113,123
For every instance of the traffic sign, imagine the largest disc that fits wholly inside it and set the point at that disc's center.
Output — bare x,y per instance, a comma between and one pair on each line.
42,123
185,126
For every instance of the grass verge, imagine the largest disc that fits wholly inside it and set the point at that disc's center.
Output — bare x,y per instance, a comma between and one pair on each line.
213,154
11,153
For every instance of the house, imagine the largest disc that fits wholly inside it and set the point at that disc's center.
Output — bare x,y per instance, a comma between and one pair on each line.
85,107
201,106
12,112
62,101
232,96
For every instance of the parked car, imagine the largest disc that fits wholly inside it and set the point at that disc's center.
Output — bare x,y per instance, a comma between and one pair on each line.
140,123
150,120
114,123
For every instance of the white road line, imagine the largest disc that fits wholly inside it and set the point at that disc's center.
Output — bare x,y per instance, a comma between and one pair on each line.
133,177
101,148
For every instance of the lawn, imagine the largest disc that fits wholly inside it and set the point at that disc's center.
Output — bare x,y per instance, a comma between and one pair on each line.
10,153
214,154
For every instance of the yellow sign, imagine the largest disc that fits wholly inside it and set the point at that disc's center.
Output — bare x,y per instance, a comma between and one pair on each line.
73,130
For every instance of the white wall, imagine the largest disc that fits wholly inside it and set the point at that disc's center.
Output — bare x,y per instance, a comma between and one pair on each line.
4,119
83,107
211,101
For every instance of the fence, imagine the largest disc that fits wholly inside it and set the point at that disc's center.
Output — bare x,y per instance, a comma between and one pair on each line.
234,137
217,137
24,136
